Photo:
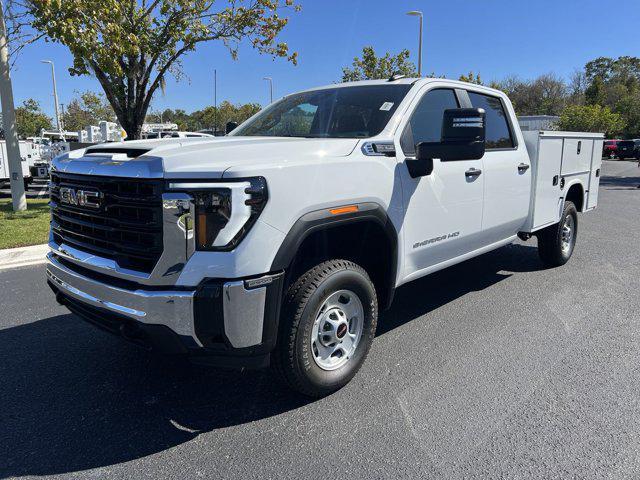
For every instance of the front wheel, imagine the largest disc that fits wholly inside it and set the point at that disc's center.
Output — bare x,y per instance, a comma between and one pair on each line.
327,327
556,243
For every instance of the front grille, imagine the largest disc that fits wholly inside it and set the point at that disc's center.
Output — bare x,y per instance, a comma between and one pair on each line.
126,228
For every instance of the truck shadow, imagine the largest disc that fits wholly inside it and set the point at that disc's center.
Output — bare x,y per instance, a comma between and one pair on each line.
433,291
74,398
619,183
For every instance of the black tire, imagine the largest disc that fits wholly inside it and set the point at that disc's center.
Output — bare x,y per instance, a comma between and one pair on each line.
293,358
553,251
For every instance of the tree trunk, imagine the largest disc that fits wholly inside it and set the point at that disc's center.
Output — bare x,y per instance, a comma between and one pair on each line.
134,132
131,124
129,102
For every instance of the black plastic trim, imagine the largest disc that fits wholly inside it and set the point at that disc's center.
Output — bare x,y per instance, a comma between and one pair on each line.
209,317
323,219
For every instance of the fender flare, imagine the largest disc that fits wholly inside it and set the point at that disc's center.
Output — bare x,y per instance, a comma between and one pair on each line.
323,219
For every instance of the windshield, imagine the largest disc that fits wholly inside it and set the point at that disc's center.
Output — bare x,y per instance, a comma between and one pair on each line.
341,112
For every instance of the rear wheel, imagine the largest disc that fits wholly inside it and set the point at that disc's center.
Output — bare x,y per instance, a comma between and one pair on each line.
557,242
328,324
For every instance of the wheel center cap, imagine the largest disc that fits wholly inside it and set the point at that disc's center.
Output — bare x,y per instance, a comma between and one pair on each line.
342,330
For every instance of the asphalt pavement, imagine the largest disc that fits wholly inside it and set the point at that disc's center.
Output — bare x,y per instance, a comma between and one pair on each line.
495,368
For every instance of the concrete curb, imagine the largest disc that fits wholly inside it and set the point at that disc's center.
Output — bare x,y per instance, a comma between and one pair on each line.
23,256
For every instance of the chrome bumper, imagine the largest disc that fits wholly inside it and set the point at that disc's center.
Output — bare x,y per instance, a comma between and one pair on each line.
243,304
173,309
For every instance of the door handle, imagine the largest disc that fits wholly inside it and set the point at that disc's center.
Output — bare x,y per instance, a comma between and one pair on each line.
523,167
473,172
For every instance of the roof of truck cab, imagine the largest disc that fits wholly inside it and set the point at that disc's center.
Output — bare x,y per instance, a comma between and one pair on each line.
406,81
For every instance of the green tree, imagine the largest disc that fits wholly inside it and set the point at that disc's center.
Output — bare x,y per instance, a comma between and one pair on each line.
615,83
131,46
471,78
372,67
591,118
544,95
88,108
31,119
226,112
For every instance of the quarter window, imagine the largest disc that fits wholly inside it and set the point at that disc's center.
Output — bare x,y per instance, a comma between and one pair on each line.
426,121
498,131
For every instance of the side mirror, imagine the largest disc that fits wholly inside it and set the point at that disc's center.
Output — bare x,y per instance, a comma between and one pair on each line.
463,138
231,126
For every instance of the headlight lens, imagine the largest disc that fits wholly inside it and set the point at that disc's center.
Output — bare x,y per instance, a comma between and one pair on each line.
225,213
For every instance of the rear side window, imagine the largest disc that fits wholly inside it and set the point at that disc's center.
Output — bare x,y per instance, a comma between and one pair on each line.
426,121
498,131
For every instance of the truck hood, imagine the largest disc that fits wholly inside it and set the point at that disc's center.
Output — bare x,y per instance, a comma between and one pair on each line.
197,157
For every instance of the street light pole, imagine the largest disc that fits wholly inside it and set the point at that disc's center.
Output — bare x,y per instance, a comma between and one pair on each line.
416,13
270,88
215,101
55,96
18,197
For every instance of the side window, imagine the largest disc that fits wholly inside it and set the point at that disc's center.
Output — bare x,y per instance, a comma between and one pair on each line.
498,132
426,121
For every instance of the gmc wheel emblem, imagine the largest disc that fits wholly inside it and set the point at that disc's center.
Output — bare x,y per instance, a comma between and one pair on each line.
80,198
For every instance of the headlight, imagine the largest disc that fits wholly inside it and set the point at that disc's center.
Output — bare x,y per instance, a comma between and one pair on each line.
225,212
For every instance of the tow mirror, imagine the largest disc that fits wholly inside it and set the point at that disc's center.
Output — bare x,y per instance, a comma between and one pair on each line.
231,126
463,138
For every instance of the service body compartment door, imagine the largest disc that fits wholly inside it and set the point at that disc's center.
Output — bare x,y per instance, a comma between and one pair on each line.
546,159
594,177
547,187
576,157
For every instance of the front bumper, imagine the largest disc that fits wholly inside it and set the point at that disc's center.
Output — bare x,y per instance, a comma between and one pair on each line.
219,322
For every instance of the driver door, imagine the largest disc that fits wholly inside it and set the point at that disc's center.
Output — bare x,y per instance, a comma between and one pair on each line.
443,210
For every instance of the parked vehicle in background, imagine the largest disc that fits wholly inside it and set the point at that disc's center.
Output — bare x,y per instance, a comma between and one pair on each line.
184,135
26,162
280,242
628,149
175,134
610,148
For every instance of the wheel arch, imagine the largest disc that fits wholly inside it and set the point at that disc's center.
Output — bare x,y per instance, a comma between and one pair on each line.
355,235
576,194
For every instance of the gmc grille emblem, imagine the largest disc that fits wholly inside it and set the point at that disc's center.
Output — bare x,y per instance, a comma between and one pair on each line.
80,198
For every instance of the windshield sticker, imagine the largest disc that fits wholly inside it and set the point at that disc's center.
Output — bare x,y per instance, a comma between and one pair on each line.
386,106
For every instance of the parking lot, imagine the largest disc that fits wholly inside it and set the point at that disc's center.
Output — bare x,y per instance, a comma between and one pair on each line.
495,368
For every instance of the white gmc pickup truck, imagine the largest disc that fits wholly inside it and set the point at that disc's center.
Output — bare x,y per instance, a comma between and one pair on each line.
279,243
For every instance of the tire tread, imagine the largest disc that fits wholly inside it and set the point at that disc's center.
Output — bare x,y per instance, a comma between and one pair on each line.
294,303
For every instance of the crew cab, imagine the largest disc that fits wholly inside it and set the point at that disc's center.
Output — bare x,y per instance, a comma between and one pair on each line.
280,243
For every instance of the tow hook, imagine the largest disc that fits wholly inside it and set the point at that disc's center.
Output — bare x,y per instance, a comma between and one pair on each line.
524,236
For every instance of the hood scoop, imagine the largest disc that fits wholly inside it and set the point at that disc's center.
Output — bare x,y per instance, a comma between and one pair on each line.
128,152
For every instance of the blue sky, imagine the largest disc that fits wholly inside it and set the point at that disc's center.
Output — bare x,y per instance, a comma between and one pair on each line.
494,37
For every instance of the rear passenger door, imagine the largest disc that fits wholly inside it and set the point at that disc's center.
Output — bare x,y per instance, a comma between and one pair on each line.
507,172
